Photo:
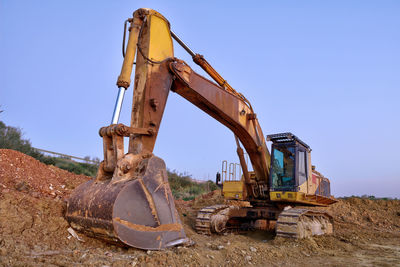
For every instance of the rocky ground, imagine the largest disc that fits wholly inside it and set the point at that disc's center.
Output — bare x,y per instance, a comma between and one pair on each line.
33,231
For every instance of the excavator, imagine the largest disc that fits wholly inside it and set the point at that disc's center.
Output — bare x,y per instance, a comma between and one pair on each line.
130,202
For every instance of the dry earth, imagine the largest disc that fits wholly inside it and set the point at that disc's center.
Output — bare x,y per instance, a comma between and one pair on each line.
33,231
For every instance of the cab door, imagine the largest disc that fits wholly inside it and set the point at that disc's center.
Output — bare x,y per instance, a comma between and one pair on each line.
301,170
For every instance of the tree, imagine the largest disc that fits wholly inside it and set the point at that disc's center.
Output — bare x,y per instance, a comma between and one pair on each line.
11,138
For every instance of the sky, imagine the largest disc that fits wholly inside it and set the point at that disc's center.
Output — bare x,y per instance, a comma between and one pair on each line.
327,71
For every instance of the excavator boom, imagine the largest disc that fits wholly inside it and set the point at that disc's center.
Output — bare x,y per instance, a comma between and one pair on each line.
228,109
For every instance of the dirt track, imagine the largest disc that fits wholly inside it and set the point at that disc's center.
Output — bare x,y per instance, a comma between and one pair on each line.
33,231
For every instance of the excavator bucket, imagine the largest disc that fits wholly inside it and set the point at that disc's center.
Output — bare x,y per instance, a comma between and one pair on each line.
138,212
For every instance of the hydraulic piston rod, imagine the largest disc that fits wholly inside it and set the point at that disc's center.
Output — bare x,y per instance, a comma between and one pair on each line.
118,105
203,63
124,79
190,51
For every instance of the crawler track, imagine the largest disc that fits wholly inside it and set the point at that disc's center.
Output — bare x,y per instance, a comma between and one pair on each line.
301,223
291,223
203,220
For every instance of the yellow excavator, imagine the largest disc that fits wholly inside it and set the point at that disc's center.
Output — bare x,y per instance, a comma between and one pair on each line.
130,202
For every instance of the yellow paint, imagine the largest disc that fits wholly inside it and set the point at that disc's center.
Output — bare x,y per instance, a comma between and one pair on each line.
160,44
242,115
303,187
310,187
233,189
285,196
294,197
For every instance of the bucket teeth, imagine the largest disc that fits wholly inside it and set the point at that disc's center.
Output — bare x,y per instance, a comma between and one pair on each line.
138,212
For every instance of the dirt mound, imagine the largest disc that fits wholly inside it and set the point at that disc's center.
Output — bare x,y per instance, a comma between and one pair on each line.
212,198
374,216
24,173
34,232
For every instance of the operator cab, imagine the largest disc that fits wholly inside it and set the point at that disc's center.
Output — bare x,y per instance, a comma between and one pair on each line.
288,162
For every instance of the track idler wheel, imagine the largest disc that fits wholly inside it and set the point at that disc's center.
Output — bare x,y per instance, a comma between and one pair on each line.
134,207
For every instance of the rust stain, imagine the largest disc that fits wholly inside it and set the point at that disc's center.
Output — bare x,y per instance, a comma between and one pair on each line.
164,184
171,227
150,200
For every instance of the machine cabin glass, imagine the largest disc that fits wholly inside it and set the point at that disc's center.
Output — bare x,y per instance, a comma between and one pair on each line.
289,163
302,165
283,167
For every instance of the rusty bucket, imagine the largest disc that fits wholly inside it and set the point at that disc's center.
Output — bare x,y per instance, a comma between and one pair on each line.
137,210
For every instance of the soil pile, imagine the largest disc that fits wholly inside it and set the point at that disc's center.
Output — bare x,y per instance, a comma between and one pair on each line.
372,217
33,231
26,174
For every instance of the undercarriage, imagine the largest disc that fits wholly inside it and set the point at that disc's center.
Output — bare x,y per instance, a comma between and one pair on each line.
285,221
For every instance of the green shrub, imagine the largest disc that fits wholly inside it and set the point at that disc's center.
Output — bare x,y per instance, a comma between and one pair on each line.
195,190
183,187
11,138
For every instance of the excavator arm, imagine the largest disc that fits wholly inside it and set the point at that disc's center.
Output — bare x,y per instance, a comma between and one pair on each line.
157,72
130,200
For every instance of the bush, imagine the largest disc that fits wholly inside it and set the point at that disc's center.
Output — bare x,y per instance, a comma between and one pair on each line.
11,138
371,197
183,187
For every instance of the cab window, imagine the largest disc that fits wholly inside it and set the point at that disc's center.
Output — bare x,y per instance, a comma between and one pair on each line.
302,167
282,169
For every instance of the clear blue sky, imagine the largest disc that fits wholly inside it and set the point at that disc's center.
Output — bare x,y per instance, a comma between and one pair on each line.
328,71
